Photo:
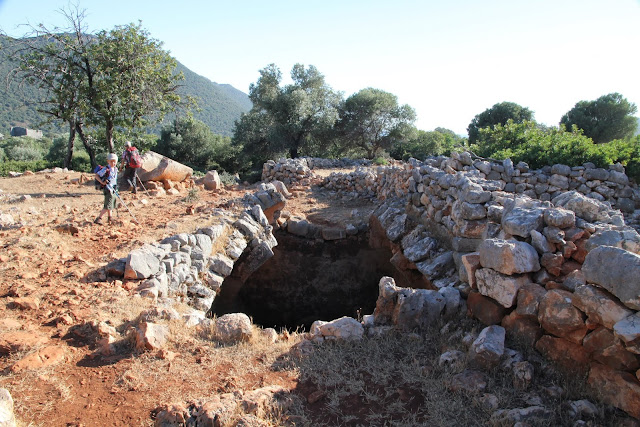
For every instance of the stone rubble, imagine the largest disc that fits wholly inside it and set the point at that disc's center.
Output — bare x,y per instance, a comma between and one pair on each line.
548,256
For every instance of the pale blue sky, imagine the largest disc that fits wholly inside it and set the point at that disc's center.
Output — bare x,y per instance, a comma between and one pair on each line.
448,60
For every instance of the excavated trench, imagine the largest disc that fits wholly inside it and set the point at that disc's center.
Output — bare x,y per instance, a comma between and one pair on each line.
308,280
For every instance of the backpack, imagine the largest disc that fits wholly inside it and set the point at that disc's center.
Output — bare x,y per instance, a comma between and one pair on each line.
101,171
135,160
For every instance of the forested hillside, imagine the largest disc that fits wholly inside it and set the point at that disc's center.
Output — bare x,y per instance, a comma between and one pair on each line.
219,105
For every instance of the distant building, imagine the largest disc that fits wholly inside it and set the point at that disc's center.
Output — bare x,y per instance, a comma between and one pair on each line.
20,131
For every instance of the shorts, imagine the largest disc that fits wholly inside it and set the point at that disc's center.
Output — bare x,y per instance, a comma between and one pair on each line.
109,199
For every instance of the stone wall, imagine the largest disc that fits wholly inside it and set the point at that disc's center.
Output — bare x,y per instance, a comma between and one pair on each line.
183,267
528,250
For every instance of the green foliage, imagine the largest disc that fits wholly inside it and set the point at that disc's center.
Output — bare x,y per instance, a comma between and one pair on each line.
24,148
372,121
227,179
380,161
193,195
428,143
21,166
191,142
290,119
220,105
540,147
605,119
498,114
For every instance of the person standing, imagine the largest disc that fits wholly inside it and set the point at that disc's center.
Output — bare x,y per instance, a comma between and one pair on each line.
108,179
131,161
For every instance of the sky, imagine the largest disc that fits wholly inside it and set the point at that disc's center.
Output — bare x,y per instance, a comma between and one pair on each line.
449,60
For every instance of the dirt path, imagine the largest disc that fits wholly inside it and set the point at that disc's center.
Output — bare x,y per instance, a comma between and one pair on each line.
51,287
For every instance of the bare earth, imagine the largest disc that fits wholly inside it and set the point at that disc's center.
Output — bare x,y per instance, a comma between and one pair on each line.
51,284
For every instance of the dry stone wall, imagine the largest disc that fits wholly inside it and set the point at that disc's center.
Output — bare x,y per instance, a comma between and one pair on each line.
183,267
545,254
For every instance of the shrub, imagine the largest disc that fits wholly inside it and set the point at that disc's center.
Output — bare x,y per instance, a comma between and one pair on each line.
24,153
21,166
548,146
380,161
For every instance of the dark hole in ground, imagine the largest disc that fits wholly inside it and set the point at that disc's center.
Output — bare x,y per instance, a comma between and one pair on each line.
308,280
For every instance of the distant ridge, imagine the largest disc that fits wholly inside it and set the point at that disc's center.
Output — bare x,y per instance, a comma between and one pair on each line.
220,105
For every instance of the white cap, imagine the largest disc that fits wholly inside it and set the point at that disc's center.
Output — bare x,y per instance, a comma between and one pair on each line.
128,143
112,156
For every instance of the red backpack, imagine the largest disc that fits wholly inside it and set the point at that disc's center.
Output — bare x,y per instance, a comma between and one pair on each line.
135,160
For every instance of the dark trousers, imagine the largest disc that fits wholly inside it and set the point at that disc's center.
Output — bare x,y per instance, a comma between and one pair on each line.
130,177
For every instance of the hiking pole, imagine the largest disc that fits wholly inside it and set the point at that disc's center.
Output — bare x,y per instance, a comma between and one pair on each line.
143,187
127,207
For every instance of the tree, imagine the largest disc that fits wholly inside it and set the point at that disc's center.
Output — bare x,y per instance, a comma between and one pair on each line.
498,114
287,119
116,79
192,142
372,120
49,60
438,142
130,80
605,119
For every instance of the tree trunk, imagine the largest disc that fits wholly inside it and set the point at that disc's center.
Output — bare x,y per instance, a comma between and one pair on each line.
72,139
87,146
293,152
109,134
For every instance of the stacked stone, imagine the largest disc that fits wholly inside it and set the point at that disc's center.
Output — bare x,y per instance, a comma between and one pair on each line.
560,275
360,183
320,163
183,266
290,171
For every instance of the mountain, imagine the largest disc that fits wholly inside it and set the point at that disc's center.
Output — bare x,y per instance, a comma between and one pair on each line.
219,105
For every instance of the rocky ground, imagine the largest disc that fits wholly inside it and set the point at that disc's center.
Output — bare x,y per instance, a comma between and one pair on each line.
51,284
53,291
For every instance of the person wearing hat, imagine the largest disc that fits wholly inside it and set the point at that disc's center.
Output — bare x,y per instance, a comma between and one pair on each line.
130,163
108,179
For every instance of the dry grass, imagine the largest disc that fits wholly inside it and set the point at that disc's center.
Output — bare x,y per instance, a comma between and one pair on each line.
395,380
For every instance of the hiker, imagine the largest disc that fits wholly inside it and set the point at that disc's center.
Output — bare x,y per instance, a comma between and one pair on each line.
131,161
107,177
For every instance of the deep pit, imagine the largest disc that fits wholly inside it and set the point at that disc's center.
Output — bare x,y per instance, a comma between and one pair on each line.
308,280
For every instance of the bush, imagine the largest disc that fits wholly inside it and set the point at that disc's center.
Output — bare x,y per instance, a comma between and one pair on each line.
540,147
380,161
21,166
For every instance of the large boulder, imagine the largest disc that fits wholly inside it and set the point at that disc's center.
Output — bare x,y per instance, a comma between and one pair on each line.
500,287
508,257
211,180
584,207
620,389
558,315
234,327
617,271
345,328
156,167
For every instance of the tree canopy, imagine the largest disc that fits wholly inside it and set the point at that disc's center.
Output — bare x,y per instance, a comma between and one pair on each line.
287,118
192,142
439,141
117,79
605,119
372,120
498,114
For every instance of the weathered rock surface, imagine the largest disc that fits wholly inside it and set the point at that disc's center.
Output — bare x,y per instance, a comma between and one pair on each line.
234,327
501,287
345,328
616,270
617,388
156,167
488,348
508,257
